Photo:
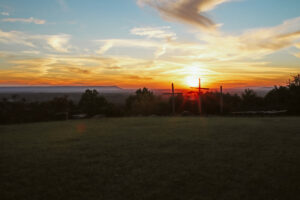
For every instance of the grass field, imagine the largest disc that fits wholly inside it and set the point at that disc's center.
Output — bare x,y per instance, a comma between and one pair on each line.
152,158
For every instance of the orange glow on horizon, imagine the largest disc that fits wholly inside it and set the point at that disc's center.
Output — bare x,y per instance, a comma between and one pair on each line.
185,83
182,79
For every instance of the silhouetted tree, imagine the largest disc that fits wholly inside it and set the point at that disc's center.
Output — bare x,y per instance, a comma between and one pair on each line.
250,100
294,96
92,103
295,82
144,102
60,107
278,98
285,97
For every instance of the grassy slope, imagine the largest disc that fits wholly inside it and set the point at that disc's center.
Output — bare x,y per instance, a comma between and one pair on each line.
152,158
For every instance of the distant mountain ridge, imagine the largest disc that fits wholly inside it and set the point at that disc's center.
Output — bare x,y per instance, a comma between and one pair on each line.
58,89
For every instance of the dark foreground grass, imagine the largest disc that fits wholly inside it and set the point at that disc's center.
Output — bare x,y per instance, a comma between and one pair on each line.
152,158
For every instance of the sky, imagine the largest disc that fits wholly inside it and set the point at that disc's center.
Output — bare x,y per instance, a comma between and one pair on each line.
149,43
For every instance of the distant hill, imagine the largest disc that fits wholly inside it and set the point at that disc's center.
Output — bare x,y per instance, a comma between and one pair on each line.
113,94
61,89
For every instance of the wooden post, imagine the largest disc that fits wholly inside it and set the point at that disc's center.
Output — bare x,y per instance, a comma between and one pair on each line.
221,99
200,100
173,99
199,93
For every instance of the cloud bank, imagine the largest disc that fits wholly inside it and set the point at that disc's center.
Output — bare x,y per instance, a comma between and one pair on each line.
192,12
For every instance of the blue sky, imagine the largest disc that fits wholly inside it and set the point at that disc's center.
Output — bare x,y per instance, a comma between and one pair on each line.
145,41
114,17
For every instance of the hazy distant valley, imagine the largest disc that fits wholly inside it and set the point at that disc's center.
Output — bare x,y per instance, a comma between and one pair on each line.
113,94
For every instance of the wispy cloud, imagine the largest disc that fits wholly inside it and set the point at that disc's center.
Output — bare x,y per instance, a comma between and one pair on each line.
154,32
61,70
15,37
60,43
217,46
150,33
25,20
90,70
108,44
32,52
187,11
298,47
254,43
5,13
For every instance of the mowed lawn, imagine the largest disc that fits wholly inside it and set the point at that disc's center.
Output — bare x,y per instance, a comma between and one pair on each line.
152,158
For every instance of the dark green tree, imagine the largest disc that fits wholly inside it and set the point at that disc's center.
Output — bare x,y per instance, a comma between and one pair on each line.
144,102
92,103
294,96
278,98
251,101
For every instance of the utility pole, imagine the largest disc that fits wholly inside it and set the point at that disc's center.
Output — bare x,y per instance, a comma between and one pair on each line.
200,100
199,88
221,100
173,98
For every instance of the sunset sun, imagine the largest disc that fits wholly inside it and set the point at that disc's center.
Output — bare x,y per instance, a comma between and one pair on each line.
193,74
192,81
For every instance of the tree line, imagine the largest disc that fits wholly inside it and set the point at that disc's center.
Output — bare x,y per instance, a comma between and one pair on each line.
144,103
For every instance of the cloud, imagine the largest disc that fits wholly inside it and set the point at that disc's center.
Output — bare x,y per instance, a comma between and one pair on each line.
255,43
15,37
25,20
136,77
59,42
220,58
64,69
133,72
159,46
31,52
161,51
187,11
298,47
217,46
5,13
67,70
154,32
150,33
108,44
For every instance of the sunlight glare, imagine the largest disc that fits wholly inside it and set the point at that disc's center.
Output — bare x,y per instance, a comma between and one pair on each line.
193,75
192,81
